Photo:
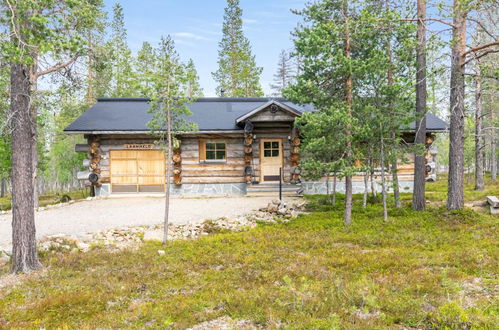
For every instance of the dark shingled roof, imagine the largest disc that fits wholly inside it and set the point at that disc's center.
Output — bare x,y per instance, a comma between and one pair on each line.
209,113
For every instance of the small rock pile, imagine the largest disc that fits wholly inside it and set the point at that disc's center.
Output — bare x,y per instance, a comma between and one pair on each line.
119,237
281,209
63,242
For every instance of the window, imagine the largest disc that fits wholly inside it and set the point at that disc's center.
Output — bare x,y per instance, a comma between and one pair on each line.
212,150
271,148
215,151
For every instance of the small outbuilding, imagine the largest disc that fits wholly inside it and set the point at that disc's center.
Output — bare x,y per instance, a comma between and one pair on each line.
241,146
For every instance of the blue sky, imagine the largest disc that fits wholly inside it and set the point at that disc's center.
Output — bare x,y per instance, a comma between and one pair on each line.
196,27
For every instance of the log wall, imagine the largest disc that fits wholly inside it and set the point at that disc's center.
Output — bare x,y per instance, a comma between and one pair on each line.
194,170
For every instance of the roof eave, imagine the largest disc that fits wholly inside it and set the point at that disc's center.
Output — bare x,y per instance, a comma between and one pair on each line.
149,132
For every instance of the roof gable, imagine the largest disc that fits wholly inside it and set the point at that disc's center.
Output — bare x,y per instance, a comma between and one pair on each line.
270,111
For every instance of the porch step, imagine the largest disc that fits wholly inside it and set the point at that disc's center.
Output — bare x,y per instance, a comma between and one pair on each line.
272,189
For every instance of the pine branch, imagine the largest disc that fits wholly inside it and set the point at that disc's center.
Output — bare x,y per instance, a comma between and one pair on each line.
56,67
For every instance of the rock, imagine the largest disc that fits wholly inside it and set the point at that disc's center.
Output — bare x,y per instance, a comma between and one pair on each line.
161,252
276,202
84,247
153,235
293,214
88,198
273,208
282,211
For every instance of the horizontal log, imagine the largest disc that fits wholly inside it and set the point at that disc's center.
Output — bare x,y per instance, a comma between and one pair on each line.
212,167
230,161
81,147
83,175
213,180
213,173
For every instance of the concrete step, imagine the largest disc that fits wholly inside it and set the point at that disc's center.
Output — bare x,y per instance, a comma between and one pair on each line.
272,189
272,194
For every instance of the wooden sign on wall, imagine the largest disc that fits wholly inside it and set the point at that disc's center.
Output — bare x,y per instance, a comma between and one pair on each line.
139,146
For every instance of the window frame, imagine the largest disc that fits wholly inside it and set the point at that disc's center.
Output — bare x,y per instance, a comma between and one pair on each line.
203,151
271,149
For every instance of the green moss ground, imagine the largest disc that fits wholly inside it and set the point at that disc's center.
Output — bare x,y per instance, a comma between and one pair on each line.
434,269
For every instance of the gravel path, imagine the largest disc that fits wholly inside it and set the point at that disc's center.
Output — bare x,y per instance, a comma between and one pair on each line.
84,217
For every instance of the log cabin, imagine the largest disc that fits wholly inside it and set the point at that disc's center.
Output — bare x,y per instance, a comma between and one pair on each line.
241,147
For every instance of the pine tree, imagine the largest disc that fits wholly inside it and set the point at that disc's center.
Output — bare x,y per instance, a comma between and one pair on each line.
145,67
54,30
124,82
99,64
237,74
168,107
192,87
355,84
284,75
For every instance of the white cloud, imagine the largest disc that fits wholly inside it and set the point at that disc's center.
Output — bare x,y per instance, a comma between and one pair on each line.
189,35
183,42
249,21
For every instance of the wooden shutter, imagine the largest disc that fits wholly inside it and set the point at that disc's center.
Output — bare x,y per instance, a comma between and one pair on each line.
202,149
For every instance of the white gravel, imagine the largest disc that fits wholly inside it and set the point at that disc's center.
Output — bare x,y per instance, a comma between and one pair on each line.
85,217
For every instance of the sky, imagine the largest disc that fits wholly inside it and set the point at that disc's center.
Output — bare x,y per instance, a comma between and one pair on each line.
196,27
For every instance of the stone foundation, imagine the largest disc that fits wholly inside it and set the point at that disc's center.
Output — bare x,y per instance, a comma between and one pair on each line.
357,187
213,189
208,189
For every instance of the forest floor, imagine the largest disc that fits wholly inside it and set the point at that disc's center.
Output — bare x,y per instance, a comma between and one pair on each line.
432,269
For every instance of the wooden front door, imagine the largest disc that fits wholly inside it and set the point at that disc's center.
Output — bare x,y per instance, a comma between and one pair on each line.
270,159
134,171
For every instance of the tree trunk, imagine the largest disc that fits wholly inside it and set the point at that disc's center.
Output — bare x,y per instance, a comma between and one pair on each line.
2,188
418,197
366,185
327,187
373,185
455,193
383,181
347,218
334,189
395,179
168,172
493,135
479,182
396,191
24,253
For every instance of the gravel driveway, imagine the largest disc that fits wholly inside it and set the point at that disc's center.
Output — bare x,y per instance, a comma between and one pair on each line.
93,216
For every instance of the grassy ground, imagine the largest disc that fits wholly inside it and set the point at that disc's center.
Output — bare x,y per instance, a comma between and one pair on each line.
48,199
434,269
437,191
